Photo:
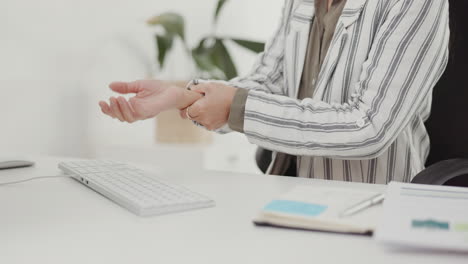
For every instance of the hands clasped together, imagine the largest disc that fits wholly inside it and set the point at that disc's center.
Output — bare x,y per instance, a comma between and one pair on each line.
206,103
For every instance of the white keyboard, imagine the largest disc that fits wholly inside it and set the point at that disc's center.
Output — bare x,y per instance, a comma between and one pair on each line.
130,187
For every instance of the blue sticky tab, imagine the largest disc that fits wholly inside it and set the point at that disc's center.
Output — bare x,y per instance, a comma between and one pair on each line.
294,207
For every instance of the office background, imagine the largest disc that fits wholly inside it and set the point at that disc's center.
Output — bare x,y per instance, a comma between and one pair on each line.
57,58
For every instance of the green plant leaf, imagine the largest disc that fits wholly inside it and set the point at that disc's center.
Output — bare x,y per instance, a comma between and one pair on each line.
164,45
172,23
207,67
204,61
250,45
223,59
202,47
202,56
219,7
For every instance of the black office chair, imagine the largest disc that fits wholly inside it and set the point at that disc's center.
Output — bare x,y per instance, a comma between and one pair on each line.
448,125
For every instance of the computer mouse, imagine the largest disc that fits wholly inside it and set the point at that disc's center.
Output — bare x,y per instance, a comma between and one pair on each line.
14,163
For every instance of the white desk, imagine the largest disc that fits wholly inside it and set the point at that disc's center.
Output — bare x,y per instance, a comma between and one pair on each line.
61,221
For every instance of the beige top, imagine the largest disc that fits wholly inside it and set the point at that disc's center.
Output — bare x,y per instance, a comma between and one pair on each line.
320,37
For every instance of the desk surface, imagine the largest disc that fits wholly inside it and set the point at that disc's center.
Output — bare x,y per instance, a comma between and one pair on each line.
61,221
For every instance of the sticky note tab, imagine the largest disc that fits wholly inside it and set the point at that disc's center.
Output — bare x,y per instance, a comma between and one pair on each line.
295,207
430,224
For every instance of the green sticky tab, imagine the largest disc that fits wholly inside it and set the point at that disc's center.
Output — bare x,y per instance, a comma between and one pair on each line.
430,224
460,227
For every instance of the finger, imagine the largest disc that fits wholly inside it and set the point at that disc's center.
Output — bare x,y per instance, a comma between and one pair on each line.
115,109
137,112
192,84
105,108
194,110
126,111
183,113
201,88
201,122
125,87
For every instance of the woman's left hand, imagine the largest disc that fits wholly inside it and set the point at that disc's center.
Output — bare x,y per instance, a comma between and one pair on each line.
212,110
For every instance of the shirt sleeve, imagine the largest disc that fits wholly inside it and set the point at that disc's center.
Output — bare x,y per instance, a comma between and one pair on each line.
408,55
267,73
237,111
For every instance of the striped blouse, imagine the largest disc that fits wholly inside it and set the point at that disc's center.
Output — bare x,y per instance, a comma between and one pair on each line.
365,121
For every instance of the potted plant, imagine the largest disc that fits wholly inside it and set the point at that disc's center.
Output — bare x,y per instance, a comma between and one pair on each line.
211,57
211,60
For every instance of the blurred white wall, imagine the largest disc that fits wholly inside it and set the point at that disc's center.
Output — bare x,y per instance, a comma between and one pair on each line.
57,57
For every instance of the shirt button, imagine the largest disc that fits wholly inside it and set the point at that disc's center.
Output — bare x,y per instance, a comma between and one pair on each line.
360,123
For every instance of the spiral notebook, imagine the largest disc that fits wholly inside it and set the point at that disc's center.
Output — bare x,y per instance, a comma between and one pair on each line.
318,208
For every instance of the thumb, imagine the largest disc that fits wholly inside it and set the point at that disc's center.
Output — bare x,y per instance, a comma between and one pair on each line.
125,87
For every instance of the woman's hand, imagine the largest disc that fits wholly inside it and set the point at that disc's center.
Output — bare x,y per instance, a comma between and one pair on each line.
151,98
212,111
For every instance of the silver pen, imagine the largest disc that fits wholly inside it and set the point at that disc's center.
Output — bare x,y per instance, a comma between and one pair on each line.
376,199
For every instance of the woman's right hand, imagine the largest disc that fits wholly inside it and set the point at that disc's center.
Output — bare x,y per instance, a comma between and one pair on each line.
151,98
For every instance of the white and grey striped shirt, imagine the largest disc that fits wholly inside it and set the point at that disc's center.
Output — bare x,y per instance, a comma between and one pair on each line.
365,122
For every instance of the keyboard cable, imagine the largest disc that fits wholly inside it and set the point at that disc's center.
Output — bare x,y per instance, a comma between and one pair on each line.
32,179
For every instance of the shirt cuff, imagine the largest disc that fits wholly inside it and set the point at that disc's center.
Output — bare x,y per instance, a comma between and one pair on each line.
237,111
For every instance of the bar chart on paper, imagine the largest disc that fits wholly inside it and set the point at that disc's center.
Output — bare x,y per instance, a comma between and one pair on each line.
425,216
